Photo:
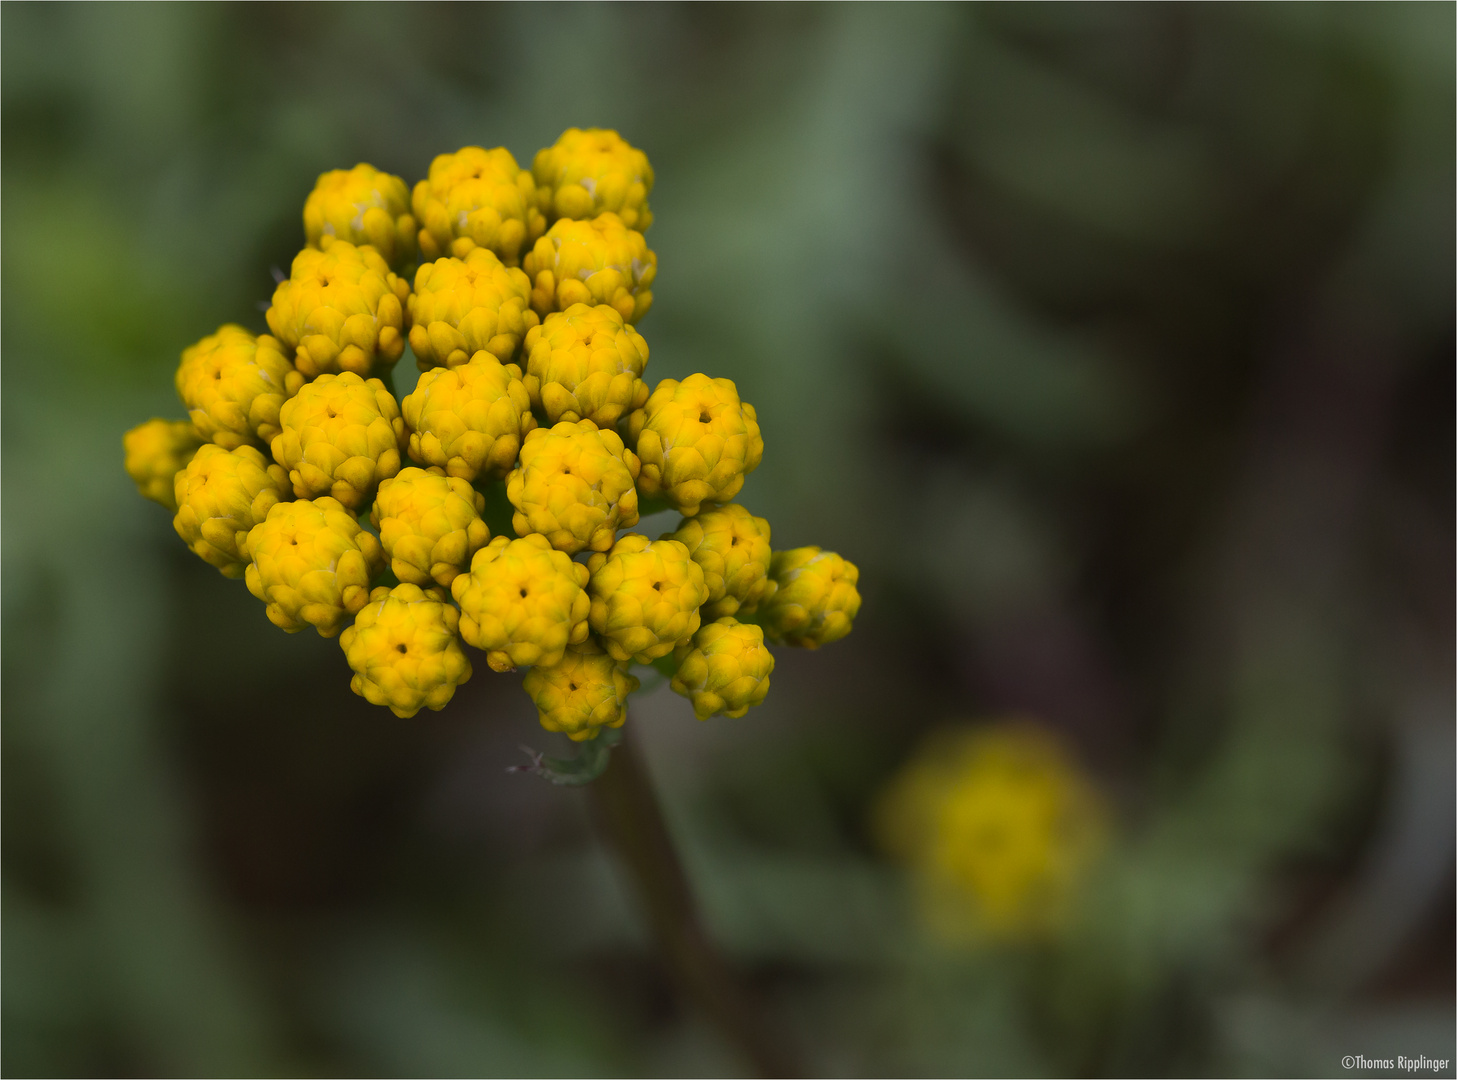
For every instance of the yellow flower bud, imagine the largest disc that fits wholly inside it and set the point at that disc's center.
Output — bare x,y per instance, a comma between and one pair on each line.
645,597
697,442
574,486
462,306
522,603
600,261
586,363
233,384
732,547
341,435
724,669
477,198
404,650
155,453
430,525
341,310
816,601
312,564
588,172
582,693
999,827
469,420
220,496
362,206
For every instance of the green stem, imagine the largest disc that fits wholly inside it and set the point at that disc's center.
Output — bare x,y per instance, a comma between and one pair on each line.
631,817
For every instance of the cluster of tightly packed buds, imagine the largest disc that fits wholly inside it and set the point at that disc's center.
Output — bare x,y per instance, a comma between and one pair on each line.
363,515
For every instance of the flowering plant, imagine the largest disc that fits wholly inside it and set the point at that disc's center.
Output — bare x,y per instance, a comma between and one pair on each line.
383,520
363,515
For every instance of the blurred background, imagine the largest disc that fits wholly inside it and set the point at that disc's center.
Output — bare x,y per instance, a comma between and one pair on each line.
1114,343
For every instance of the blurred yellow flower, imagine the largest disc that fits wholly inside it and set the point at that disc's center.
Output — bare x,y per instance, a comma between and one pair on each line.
155,453
999,828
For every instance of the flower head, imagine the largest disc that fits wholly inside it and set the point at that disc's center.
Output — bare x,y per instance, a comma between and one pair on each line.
816,600
404,650
697,441
341,435
645,597
220,496
462,306
588,172
312,564
341,310
600,261
523,602
732,547
477,198
582,693
574,486
429,525
155,453
586,363
362,206
233,385
469,420
999,827
724,668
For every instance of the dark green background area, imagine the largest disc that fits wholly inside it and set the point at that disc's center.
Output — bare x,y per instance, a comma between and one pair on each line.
1113,343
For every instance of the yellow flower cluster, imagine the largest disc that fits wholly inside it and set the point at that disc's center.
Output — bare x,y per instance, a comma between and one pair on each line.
362,514
999,828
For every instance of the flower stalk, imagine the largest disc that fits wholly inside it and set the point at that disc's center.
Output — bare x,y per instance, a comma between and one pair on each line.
628,812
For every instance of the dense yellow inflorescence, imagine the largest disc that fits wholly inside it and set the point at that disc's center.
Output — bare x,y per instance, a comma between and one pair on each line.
522,603
477,198
312,564
220,496
574,486
600,261
586,363
588,172
580,694
429,525
234,384
155,453
469,420
999,828
645,597
518,291
463,306
724,668
404,650
732,547
341,310
697,442
362,206
341,435
815,601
